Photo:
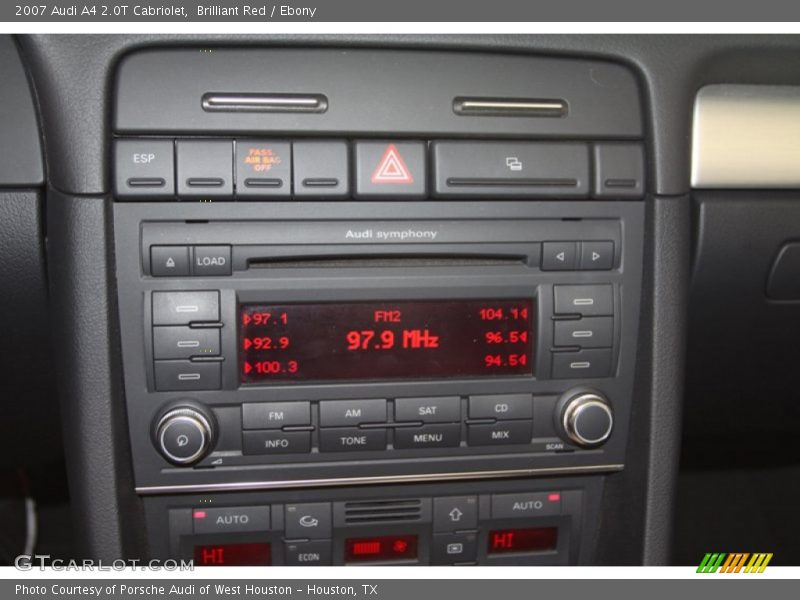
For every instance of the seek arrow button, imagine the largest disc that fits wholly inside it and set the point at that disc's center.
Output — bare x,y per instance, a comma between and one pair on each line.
559,256
597,256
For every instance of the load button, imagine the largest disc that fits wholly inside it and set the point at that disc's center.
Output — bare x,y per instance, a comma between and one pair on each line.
211,261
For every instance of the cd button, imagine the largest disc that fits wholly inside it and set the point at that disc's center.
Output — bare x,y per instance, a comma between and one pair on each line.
428,410
428,436
504,406
351,439
338,413
500,433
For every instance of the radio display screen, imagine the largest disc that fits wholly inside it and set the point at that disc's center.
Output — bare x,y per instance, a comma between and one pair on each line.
385,340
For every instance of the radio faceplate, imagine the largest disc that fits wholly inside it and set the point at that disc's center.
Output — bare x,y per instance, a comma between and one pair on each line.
182,344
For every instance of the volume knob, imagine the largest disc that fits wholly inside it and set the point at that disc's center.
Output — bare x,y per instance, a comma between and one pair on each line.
587,419
184,435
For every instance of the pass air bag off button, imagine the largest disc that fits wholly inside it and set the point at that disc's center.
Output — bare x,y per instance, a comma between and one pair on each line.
231,519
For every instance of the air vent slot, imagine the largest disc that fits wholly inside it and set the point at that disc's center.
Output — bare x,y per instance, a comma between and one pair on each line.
383,511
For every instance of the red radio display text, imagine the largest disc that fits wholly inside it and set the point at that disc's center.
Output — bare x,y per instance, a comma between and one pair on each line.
386,340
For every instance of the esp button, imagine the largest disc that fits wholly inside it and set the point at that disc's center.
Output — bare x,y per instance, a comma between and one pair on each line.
144,169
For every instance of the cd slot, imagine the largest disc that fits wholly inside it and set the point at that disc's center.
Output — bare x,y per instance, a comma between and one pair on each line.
386,256
386,262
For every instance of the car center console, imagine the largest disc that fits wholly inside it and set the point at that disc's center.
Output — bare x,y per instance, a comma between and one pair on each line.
376,306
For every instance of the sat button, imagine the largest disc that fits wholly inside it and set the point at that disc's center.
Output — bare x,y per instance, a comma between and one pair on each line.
428,410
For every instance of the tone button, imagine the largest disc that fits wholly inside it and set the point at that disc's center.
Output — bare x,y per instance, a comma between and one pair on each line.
351,439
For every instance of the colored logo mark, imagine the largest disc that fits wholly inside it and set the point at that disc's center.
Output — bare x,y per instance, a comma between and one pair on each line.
736,562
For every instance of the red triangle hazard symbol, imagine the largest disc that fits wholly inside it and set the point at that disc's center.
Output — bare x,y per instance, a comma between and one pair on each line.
392,168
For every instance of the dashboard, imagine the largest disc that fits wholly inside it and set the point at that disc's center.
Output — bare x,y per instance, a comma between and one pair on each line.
392,299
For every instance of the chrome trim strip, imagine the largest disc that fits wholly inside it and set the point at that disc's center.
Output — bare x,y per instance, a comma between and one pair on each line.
300,483
492,107
308,103
746,136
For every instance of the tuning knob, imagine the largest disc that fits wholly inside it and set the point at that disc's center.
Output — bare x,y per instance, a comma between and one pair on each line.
184,435
586,419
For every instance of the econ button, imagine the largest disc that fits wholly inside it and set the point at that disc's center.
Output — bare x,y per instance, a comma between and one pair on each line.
391,169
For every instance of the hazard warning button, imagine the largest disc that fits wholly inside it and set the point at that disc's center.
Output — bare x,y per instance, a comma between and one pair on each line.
389,169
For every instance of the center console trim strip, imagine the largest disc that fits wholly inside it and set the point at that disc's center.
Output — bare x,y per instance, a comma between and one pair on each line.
300,483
